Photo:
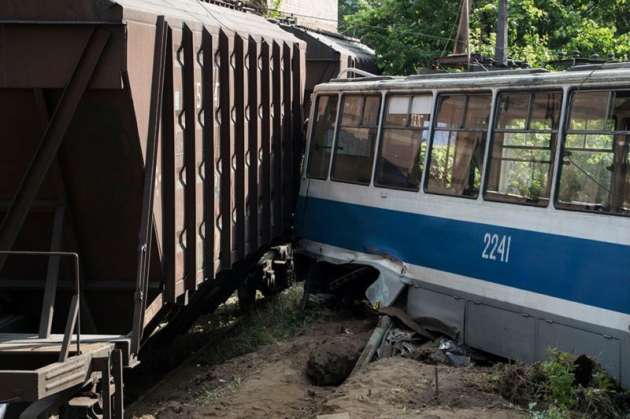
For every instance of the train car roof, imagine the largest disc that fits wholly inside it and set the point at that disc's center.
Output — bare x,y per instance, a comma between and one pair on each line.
195,13
209,15
604,74
321,43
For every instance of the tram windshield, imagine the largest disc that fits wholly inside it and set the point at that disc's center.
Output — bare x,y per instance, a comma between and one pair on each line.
594,174
322,136
523,146
403,141
456,156
354,148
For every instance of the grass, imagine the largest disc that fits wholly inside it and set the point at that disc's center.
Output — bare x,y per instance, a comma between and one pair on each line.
213,393
274,319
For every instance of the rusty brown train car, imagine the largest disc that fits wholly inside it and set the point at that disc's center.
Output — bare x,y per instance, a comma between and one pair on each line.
147,154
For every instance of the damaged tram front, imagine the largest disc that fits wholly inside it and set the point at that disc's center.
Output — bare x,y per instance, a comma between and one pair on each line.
498,200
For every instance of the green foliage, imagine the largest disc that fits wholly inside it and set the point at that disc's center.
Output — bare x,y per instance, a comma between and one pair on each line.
407,34
273,9
553,412
549,391
559,386
346,8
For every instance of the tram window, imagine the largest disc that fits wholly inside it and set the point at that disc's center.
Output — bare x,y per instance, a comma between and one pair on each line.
457,149
354,149
523,146
595,174
403,141
322,136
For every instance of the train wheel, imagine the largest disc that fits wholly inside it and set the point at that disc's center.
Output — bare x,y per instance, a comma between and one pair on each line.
278,270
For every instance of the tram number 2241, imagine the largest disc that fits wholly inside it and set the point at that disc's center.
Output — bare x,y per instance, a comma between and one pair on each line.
496,247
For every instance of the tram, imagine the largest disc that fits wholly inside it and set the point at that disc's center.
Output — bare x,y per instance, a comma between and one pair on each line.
499,200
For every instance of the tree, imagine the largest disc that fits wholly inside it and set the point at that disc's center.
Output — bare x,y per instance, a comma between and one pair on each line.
406,34
347,8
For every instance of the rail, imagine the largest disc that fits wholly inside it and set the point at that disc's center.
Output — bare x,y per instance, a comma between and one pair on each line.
74,315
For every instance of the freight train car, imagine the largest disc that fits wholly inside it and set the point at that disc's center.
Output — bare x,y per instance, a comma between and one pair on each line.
146,164
498,200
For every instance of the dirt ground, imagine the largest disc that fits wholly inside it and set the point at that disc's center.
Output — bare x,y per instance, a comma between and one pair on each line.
271,383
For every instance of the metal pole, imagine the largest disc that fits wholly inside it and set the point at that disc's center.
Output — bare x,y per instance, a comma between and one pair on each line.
76,299
501,49
462,39
146,226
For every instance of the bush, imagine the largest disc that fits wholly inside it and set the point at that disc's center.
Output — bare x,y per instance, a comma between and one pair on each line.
550,389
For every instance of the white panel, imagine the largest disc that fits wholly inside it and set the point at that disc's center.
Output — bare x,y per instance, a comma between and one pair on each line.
398,105
422,104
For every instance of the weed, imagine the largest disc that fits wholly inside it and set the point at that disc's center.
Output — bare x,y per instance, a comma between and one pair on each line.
549,389
558,387
209,393
552,412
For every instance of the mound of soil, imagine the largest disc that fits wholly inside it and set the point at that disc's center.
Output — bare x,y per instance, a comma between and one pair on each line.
400,387
272,383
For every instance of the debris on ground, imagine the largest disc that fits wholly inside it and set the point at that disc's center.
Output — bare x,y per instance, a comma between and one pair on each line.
412,343
373,343
457,356
427,327
399,342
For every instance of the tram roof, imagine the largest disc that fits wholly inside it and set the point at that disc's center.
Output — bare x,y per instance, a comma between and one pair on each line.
613,74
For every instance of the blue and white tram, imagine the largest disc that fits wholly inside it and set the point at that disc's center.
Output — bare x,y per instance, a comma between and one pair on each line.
501,199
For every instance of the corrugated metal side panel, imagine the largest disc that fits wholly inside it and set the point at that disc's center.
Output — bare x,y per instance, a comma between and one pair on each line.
252,157
171,252
287,140
208,167
217,127
276,140
186,122
297,117
180,167
238,157
265,173
226,140
200,162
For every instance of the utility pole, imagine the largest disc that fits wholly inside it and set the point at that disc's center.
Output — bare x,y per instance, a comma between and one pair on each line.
462,39
501,49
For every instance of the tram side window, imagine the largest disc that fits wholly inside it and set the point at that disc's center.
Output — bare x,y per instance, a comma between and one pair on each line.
594,175
403,141
523,146
354,149
322,136
457,149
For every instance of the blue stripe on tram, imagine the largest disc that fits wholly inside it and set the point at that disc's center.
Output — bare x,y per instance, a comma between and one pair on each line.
584,271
